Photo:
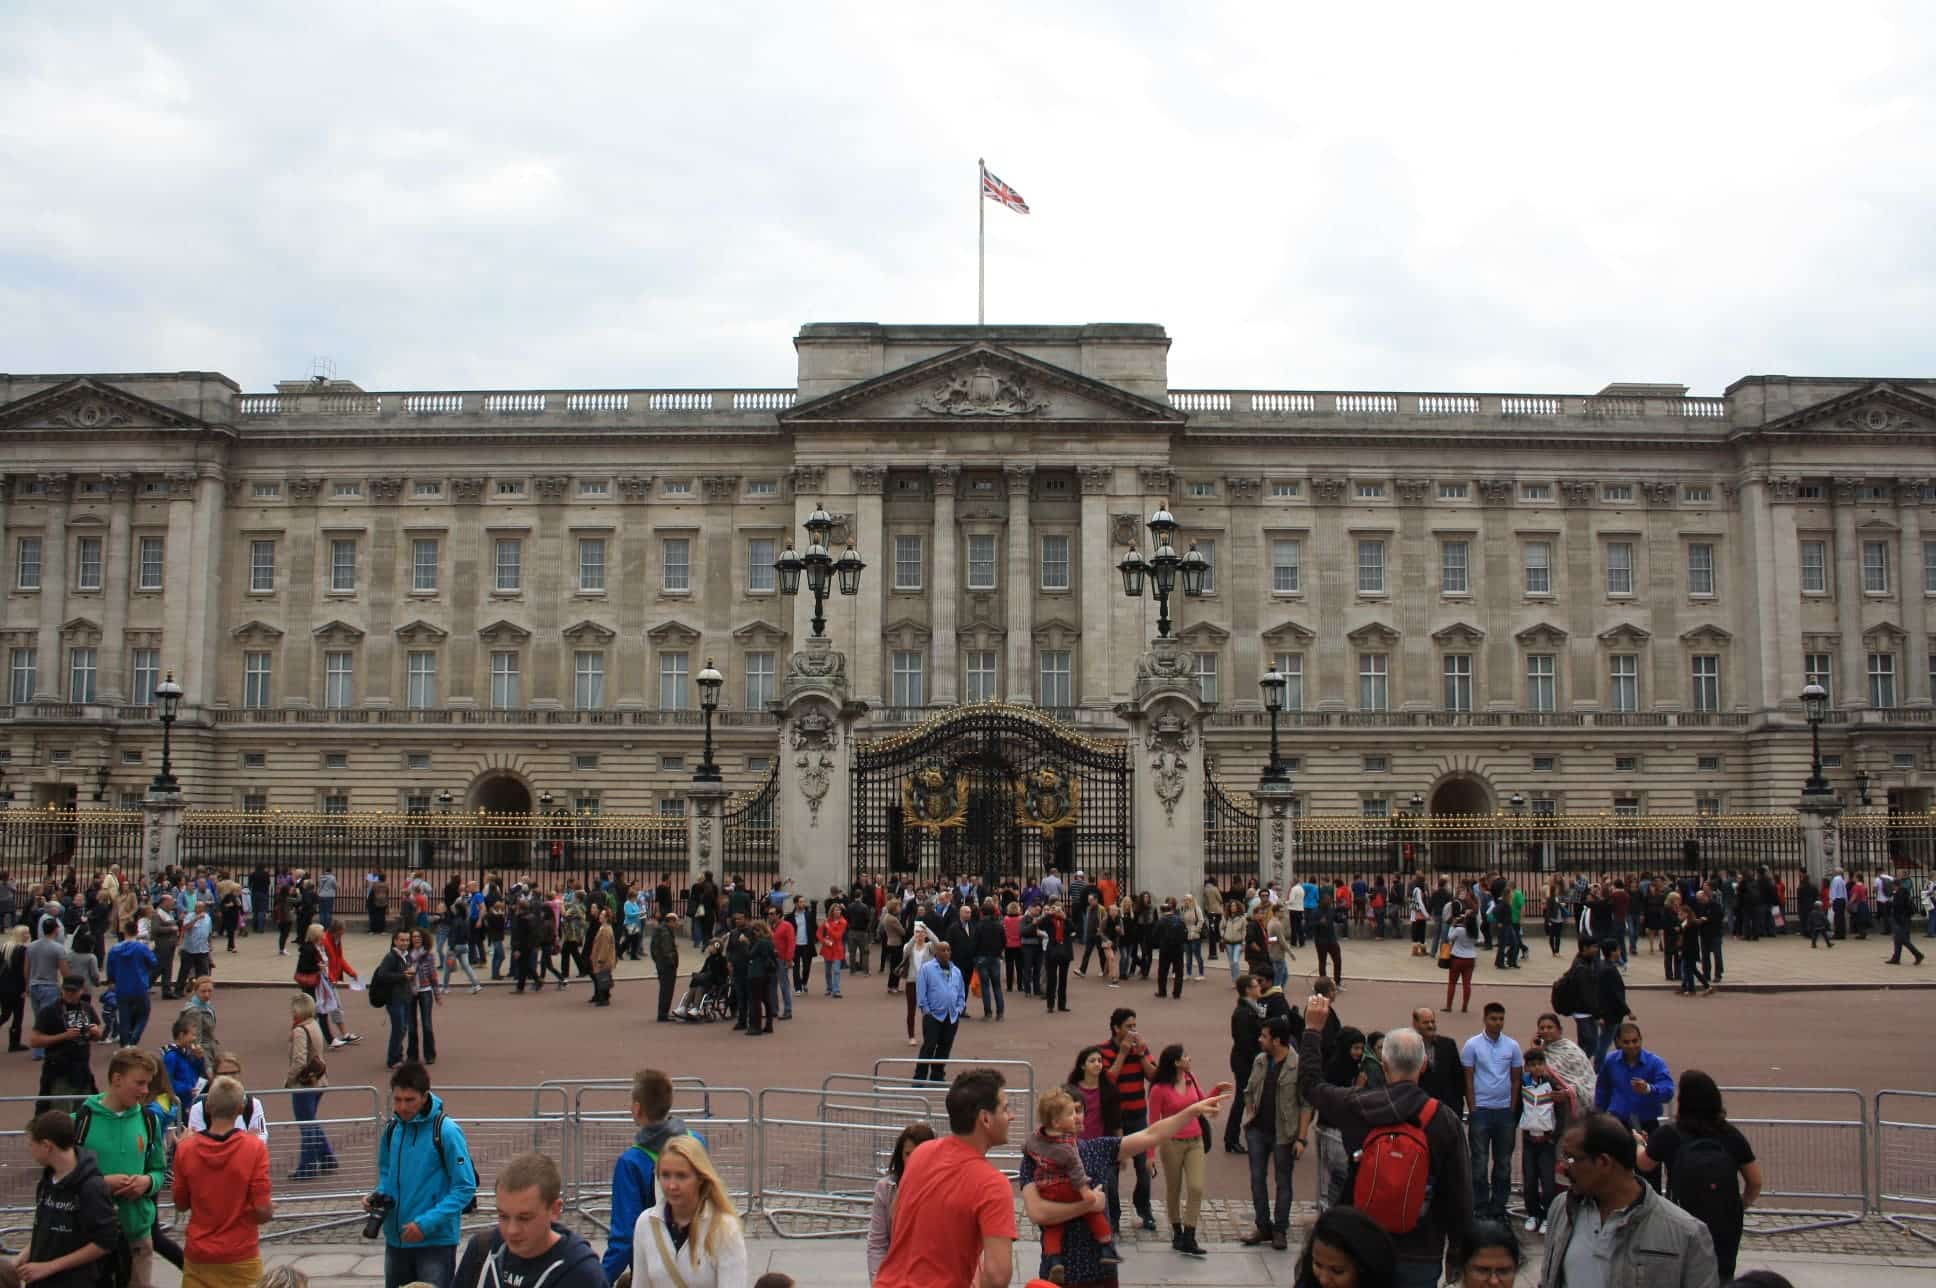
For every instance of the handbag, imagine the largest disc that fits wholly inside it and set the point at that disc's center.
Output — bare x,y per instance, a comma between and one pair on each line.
667,1254
307,979
1445,956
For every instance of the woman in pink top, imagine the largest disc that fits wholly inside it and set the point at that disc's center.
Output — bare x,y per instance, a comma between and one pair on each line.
1172,1089
1101,1103
1012,947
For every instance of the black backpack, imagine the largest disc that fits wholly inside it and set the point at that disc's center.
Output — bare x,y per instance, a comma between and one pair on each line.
436,1143
1702,1180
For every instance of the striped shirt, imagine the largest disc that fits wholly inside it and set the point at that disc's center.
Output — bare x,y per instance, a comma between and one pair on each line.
1132,1084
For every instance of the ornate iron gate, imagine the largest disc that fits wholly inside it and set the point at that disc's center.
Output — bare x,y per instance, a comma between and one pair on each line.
1229,834
749,838
992,790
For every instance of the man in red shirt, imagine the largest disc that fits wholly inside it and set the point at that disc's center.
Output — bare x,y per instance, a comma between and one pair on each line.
222,1181
1125,1062
954,1218
785,944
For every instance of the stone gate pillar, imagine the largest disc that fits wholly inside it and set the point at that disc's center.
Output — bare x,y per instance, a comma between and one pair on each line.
160,831
703,830
1274,857
1821,832
1165,719
814,802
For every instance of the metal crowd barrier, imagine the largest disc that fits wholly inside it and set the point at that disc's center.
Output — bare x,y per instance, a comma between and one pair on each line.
1905,1174
823,1151
1820,1160
602,1130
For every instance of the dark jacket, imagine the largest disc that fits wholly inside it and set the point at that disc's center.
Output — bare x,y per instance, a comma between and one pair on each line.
665,949
988,937
576,1261
1358,1111
1171,933
960,938
1578,991
1613,992
1444,1075
1246,1022
71,1213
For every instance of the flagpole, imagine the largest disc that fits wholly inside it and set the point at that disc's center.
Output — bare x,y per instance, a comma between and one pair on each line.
981,247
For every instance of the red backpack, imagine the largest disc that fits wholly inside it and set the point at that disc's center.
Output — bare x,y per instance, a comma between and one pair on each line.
1394,1184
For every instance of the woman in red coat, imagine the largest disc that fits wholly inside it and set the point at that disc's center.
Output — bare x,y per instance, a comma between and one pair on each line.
833,948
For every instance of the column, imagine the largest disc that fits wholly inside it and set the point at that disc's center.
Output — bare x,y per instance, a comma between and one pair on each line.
49,676
297,563
1020,679
208,499
1853,665
468,682
114,608
1582,599
1495,684
1666,580
1248,584
626,593
1097,581
381,678
943,649
1330,665
867,669
1769,568
1915,617
1414,599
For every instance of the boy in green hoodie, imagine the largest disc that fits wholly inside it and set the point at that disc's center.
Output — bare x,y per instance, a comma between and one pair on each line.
129,1151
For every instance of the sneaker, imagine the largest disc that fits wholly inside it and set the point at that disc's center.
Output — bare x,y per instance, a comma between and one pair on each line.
338,1042
477,988
1532,1223
1542,1227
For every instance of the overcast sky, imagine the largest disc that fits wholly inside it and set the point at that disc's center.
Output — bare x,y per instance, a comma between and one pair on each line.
568,195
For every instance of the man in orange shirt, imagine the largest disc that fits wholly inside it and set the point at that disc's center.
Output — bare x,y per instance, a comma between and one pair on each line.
954,1218
785,945
222,1181
1106,886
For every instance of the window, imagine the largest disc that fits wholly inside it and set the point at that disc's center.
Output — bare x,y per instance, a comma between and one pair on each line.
1707,682
255,680
1626,807
1831,760
81,670
594,487
1546,806
506,692
1541,684
907,687
1055,563
508,562
1809,492
1819,668
1284,489
672,807
1056,679
1208,549
87,567
146,666
759,680
1291,667
1285,553
426,488
255,803
149,559
672,762
759,565
255,760
1697,495
336,803
591,564
981,561
1375,807
585,761
1814,567
1376,764
346,489
1700,568
762,487
1617,492
1545,764
1206,678
1374,674
1872,492
1875,567
675,555
1929,567
339,679
1626,764
673,692
1536,491
510,487
265,491
423,565
588,680
759,764
416,760
980,671
1902,760
678,487
1458,681
1882,679
1453,568
26,564
1539,567
1371,567
907,562
1623,682
1370,491
1454,491
420,680
417,803
342,566
1619,568
1707,764
262,567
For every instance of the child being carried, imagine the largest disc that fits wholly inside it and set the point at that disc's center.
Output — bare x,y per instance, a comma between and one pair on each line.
1061,1178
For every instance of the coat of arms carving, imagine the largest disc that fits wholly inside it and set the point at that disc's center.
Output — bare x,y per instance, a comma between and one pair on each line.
933,800
982,392
1048,800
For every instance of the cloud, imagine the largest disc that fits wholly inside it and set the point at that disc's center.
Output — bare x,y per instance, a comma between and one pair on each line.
600,194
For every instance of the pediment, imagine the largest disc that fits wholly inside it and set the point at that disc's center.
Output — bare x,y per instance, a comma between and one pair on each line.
906,632
85,405
978,383
589,632
760,632
1289,632
504,632
1626,633
338,631
81,630
1880,409
1883,635
422,632
1459,633
1877,527
256,632
1706,633
1201,633
1541,635
1373,633
672,632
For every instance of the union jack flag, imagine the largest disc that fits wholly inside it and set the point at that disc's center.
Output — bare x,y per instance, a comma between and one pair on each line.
995,190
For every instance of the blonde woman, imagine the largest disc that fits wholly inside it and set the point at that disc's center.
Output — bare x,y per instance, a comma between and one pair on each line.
692,1238
13,983
309,1072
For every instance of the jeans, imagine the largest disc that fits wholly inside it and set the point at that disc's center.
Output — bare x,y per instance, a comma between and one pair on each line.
193,966
1711,964
134,1017
1587,1033
1491,1129
497,959
326,910
1235,952
1690,971
316,1155
1140,1197
399,1008
783,990
1536,1173
417,1263
420,1027
937,1041
1416,1274
1233,1127
258,911
1032,967
1264,1152
462,956
990,970
1334,1166
1192,956
830,968
1900,934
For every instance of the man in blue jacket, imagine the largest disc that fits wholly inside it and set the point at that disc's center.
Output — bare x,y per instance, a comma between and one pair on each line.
1635,1084
424,1168
132,965
634,1175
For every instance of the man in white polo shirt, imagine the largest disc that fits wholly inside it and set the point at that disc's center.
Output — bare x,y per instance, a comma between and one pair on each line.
1493,1066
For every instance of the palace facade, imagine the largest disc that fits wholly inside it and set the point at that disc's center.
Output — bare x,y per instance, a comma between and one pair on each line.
1599,602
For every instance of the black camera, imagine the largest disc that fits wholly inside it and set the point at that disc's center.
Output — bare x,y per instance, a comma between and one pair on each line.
380,1205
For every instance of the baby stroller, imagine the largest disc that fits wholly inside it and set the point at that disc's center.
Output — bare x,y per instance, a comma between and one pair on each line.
710,996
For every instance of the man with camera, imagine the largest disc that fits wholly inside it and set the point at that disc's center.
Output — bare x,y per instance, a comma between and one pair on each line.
426,1181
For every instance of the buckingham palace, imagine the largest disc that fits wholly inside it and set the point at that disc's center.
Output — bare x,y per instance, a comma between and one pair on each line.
1598,602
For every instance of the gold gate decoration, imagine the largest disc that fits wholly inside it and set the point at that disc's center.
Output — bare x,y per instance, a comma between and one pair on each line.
933,800
1047,800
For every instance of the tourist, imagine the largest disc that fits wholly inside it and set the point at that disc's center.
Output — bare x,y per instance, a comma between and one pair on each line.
692,1238
887,1190
1102,1109
425,997
1058,952
251,1118
222,1181
13,984
529,1245
1346,1250
1196,925
131,967
1902,920
308,1071
458,935
390,988
1625,1232
46,966
602,958
633,1187
779,998
1055,1165
1566,1060
1323,929
1231,932
1712,1174
988,940
1461,954
1277,1128
1688,942
1493,1066
1126,1065
196,962
64,1030
1486,1255
1172,936
1547,1109
665,962
1443,1077
954,1219
1421,1249
833,947
75,1224
761,965
1577,994
115,1127
1172,1089
424,1169
1246,1027
942,996
329,996
1634,1084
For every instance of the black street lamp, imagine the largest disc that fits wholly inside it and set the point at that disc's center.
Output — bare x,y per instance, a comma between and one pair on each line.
1862,787
168,696
709,680
1517,804
1274,684
1162,567
444,799
1418,805
100,783
822,570
1815,706
6,793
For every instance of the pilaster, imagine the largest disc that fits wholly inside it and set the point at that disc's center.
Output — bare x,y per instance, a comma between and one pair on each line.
1852,683
1915,611
1019,679
944,655
1096,579
379,683
208,500
1820,834
814,800
869,676
1274,858
160,831
704,827
51,674
114,608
